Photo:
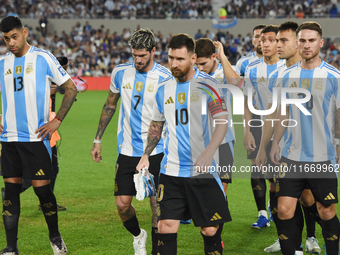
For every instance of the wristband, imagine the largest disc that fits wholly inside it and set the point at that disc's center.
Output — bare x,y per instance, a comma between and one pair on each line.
96,141
58,118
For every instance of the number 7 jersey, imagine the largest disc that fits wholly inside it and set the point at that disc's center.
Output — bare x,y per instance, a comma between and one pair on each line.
136,106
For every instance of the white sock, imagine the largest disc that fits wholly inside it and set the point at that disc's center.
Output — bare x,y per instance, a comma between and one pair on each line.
263,213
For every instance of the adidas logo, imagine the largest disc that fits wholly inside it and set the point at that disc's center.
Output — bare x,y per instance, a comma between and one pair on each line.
6,213
50,213
283,237
333,238
40,172
216,217
226,176
257,187
169,101
8,72
127,86
214,253
262,79
329,197
293,85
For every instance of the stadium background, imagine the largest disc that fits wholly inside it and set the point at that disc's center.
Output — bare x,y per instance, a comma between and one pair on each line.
91,224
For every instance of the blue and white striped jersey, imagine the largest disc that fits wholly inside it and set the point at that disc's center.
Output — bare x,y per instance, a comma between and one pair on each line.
25,90
136,106
256,78
243,62
219,76
187,129
312,139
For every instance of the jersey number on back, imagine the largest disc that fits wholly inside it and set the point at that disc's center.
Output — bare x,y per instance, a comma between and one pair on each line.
18,83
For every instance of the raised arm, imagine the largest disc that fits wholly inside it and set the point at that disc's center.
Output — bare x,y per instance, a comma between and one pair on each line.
230,75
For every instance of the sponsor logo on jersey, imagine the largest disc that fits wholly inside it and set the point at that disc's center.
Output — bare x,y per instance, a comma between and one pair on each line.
8,72
169,101
127,86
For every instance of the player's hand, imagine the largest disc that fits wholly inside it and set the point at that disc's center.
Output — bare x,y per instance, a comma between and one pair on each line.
48,129
203,162
261,158
249,142
95,152
220,51
275,154
143,163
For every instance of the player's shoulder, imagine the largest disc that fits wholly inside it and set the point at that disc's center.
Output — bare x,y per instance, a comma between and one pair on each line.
255,63
166,81
277,72
7,55
294,68
48,56
122,67
162,70
205,76
330,69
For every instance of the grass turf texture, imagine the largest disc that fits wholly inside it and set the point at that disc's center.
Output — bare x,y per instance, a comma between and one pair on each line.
91,224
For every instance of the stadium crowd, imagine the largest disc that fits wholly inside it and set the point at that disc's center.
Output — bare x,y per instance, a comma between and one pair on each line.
168,9
96,51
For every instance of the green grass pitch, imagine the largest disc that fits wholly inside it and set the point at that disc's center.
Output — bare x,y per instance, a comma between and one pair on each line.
91,224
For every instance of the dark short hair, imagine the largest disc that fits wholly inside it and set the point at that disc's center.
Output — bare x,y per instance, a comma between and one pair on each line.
9,23
261,26
270,28
63,61
311,25
289,25
143,39
204,48
182,40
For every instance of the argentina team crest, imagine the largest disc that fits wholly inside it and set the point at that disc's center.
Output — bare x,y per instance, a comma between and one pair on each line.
18,70
181,98
139,86
29,68
195,96
319,84
151,87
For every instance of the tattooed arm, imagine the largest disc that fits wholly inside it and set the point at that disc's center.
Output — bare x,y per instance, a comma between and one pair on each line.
105,118
68,99
154,135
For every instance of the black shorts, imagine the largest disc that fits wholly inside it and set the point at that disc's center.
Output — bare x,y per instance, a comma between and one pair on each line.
292,182
201,199
226,160
256,130
126,168
29,160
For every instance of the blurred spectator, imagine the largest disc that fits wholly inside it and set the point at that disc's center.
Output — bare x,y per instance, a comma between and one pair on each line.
333,12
